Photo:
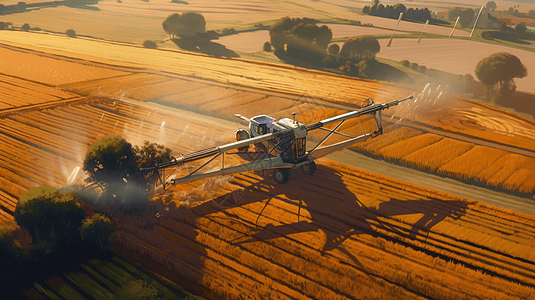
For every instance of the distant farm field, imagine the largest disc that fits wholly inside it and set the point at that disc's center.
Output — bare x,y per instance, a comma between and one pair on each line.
455,56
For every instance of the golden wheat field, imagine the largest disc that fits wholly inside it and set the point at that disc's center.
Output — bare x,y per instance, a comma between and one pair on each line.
340,234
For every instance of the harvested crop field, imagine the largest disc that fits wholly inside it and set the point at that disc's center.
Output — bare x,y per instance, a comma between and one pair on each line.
340,234
46,147
224,101
455,56
48,70
16,92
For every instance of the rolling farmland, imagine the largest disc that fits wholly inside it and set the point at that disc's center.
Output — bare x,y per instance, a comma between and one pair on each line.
341,234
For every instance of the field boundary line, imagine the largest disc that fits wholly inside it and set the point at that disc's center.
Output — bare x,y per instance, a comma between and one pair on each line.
16,110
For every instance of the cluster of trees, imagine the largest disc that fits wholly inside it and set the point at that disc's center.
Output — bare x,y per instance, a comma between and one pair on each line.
519,28
393,11
187,25
362,47
497,73
300,39
5,25
113,164
465,15
10,9
57,224
57,221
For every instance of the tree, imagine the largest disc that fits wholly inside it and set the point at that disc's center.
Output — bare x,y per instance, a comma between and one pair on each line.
150,44
333,49
9,247
366,9
531,13
454,13
49,215
187,25
267,47
360,47
114,165
25,27
70,33
466,17
300,39
491,5
148,155
497,72
381,10
521,27
510,10
399,8
504,27
98,229
109,161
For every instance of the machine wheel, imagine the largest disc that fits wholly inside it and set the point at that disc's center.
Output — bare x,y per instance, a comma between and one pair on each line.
242,134
281,175
309,169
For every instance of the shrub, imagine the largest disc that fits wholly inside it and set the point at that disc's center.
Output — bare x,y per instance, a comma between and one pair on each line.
333,49
70,33
406,63
330,61
138,290
414,66
422,69
9,247
49,215
521,27
228,31
99,229
3,25
300,39
109,160
42,250
11,252
113,164
267,47
150,44
25,27
189,24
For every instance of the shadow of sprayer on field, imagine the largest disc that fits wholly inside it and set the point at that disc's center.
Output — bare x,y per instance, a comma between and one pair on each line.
340,214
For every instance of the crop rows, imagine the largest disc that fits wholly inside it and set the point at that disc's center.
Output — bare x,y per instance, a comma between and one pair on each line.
44,147
16,92
95,280
429,152
354,235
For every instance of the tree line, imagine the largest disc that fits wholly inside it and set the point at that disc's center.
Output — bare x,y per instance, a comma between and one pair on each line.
74,220
393,12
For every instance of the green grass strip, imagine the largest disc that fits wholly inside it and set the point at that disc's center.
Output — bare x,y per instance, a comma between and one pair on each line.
46,292
114,272
102,280
90,286
168,293
63,288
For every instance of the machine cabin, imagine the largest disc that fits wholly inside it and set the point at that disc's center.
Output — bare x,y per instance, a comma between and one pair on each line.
289,145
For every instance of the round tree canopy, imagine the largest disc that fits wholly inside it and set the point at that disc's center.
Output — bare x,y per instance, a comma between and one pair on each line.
500,67
359,45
